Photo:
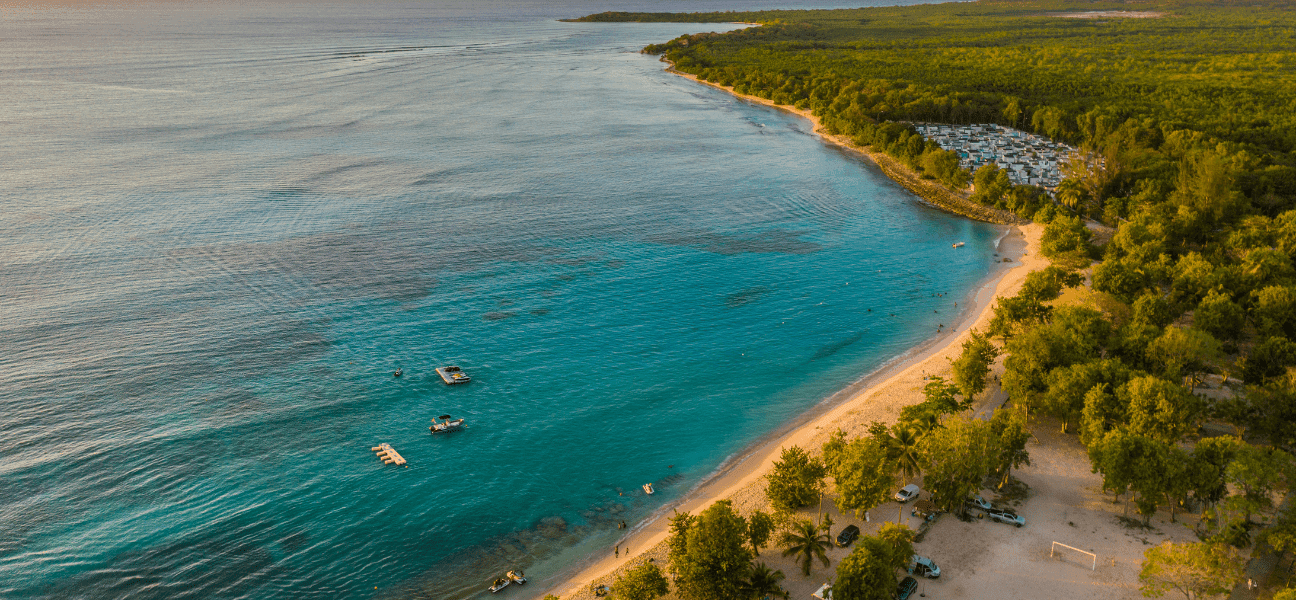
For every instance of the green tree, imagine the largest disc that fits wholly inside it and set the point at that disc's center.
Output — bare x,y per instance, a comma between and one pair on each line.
1185,353
865,573
1123,278
990,183
897,538
1220,316
763,582
677,541
957,457
1010,435
902,453
1047,284
1160,409
973,365
1102,413
1271,410
1064,398
940,398
644,582
806,541
715,560
1268,360
759,527
1067,241
796,480
869,571
863,475
1275,311
1256,473
1209,466
1196,570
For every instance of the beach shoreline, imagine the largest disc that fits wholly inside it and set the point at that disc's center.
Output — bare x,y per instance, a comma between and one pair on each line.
877,396
929,191
898,382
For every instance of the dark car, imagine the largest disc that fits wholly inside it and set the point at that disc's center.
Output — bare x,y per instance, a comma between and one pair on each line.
847,535
906,588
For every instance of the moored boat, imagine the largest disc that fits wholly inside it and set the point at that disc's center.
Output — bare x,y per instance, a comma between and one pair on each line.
500,584
452,375
648,489
516,576
447,425
958,244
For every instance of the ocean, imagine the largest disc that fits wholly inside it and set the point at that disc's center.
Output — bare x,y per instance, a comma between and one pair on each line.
223,226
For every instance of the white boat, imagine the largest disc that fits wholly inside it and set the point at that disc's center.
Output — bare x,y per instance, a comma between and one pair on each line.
648,489
500,584
452,375
447,425
516,576
958,244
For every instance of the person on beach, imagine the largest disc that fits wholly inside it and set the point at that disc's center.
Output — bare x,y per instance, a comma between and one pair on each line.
617,552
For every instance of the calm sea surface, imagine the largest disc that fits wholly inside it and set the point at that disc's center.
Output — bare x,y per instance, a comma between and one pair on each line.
223,226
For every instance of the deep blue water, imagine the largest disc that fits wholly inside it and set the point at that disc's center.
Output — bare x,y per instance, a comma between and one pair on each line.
223,226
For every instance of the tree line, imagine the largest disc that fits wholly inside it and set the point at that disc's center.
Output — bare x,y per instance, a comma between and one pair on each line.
1187,133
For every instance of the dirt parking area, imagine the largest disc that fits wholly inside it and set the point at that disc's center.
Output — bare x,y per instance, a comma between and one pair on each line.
986,559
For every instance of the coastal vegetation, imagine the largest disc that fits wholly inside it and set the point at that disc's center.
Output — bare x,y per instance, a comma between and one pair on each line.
1182,314
644,582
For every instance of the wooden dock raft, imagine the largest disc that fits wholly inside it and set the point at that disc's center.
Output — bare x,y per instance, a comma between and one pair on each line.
389,455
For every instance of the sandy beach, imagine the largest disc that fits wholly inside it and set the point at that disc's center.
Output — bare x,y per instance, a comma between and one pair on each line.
878,397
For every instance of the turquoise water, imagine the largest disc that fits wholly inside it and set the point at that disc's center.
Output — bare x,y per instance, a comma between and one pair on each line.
224,227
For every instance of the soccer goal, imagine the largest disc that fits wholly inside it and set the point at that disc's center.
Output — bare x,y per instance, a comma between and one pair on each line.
1093,567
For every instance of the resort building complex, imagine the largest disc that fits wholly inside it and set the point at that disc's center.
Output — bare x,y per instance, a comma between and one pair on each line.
1029,159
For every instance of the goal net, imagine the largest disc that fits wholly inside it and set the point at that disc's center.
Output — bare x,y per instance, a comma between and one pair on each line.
1092,567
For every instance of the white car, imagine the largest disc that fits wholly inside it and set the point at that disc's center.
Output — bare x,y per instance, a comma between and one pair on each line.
1004,516
977,501
921,565
823,593
907,493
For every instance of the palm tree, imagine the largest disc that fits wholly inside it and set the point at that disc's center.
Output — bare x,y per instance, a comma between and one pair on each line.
805,541
763,583
902,450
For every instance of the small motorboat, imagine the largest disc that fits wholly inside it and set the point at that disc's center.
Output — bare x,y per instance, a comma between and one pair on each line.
500,584
516,577
452,375
648,489
446,425
398,372
958,244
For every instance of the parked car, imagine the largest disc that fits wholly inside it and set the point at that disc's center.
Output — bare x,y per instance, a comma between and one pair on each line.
907,493
906,588
847,535
976,501
923,567
823,593
1004,516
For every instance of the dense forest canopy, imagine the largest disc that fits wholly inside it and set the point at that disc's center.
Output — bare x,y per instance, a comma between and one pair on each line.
1215,77
1186,124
